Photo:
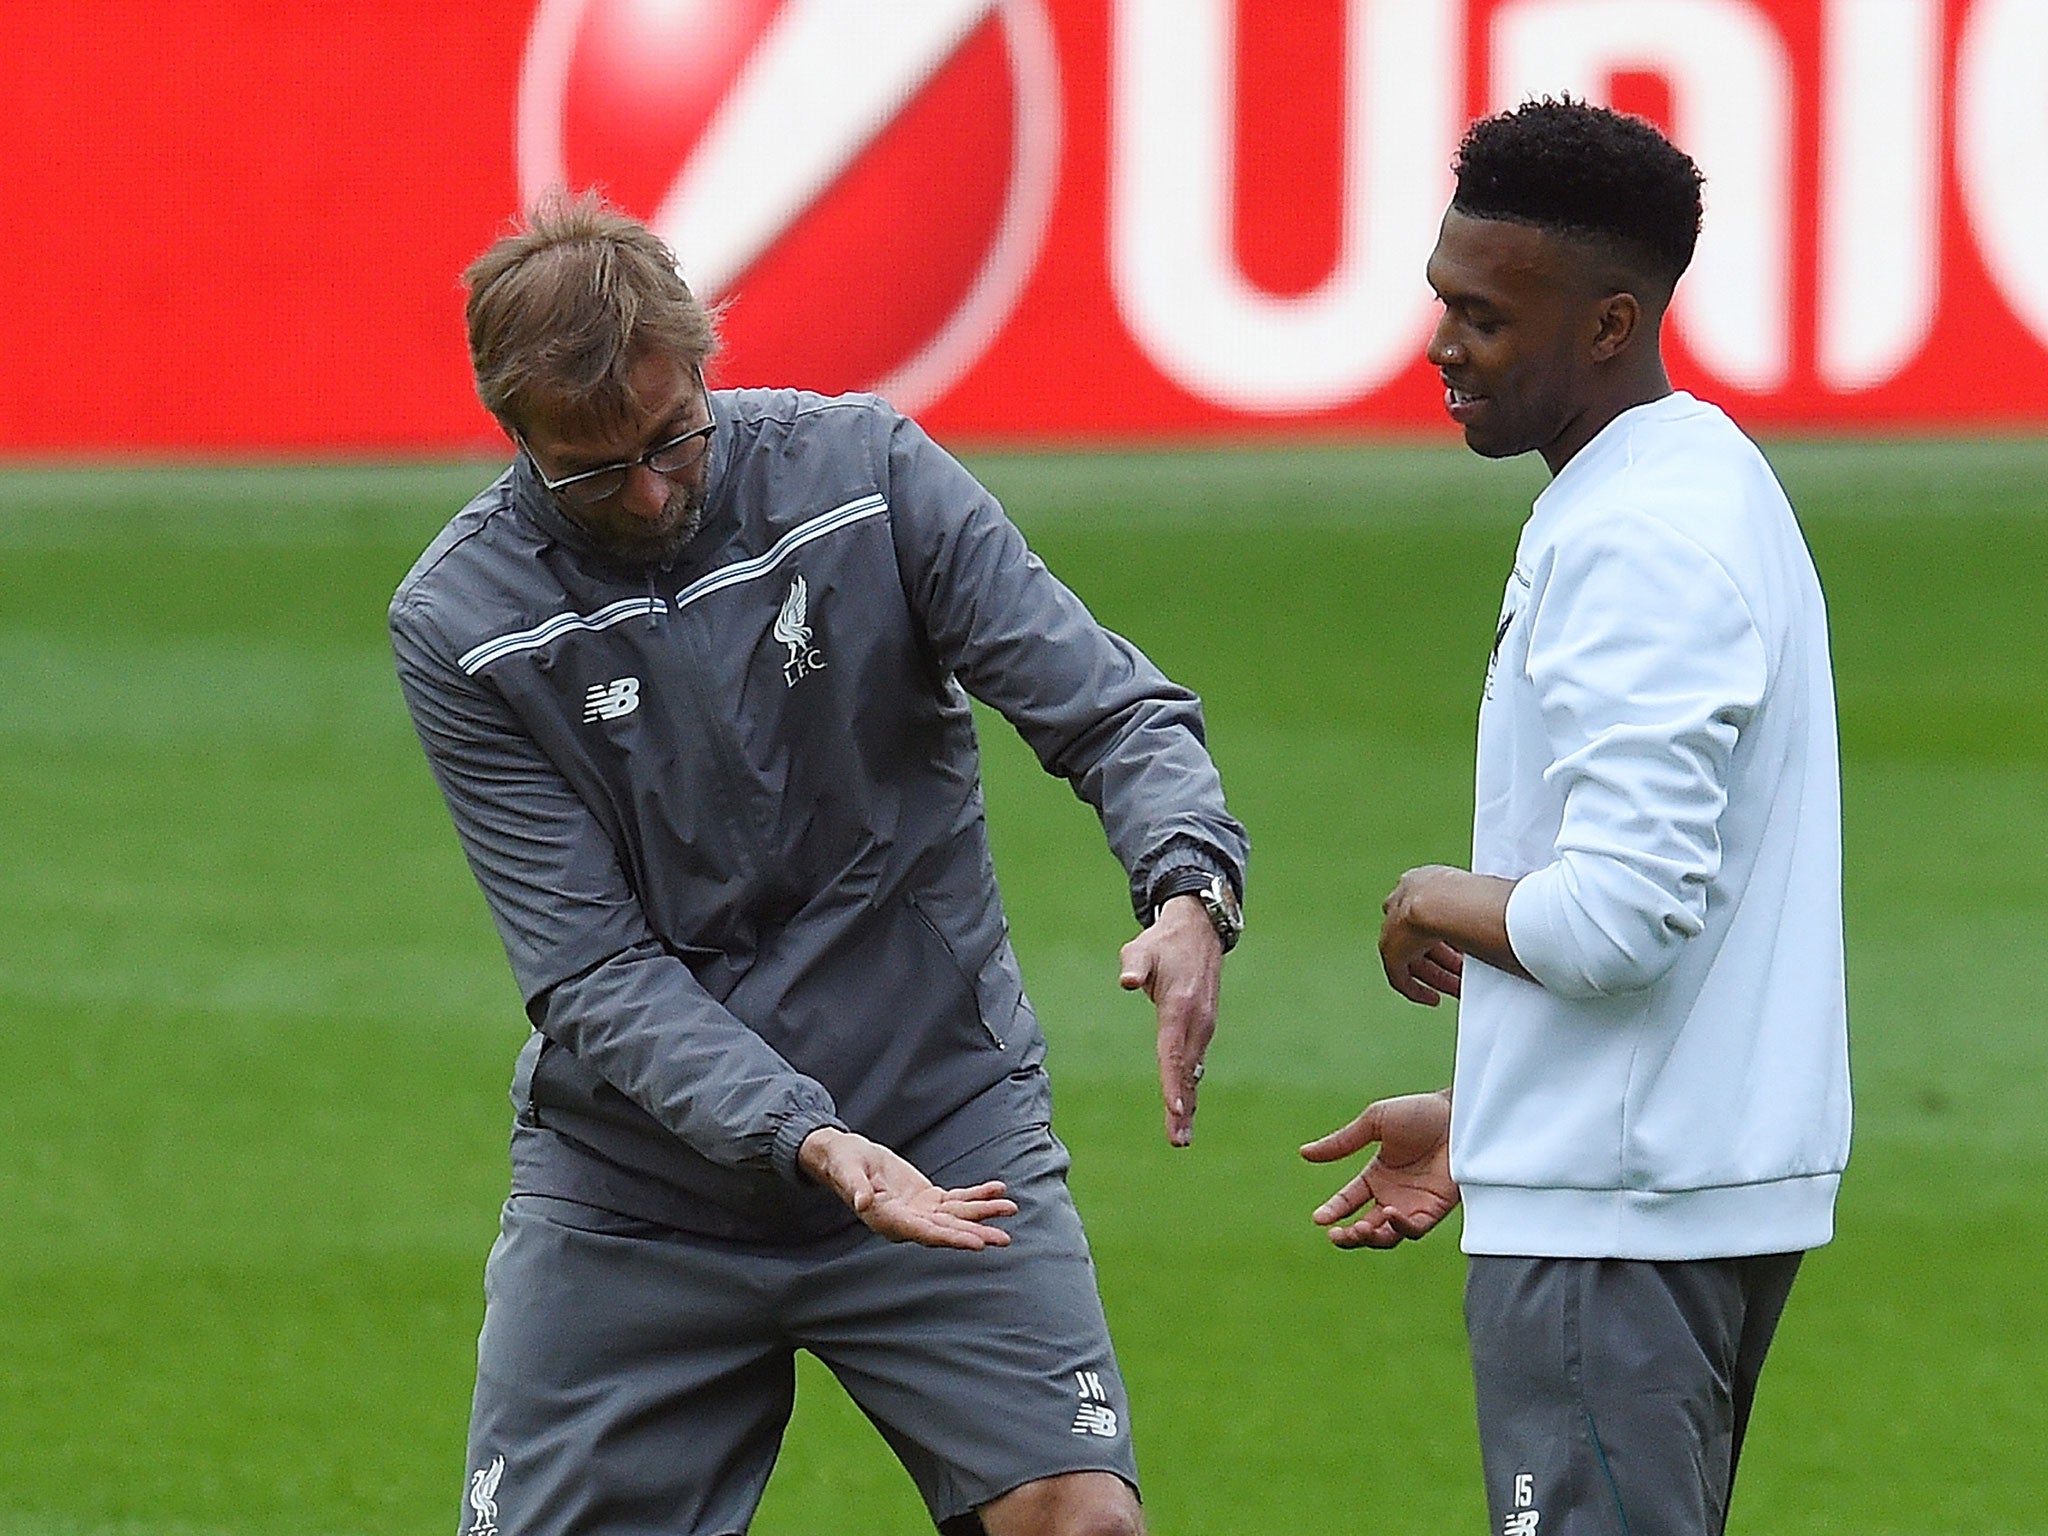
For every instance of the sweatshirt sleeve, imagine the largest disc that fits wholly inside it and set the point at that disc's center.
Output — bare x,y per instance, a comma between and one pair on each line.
1092,707
593,975
1647,665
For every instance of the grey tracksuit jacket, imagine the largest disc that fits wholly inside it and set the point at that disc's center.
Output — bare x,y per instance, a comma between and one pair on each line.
728,816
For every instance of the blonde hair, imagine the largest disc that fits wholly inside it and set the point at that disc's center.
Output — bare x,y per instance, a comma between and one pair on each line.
562,309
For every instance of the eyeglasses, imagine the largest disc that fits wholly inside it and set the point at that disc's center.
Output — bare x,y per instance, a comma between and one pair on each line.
593,486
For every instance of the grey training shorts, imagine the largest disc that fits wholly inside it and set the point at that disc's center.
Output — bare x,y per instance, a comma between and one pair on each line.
1613,1393
632,1378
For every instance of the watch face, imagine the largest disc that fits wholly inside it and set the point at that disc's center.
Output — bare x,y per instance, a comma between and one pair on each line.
1220,901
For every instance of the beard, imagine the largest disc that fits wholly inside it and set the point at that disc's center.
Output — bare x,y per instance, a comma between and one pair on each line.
639,542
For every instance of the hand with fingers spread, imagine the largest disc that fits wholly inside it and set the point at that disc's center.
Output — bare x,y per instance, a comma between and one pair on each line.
1407,1188
895,1200
1178,963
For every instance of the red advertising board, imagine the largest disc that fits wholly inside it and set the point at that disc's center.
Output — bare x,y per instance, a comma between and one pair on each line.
240,225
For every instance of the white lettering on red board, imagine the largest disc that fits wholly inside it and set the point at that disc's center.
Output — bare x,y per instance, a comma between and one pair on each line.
1886,99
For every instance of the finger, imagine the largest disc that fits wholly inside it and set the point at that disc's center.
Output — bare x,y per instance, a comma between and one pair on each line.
1415,991
1348,1201
1183,987
1375,1228
857,1189
1180,1121
1181,1075
971,1234
1365,1234
1177,1086
1134,966
1430,974
1176,1078
938,1234
940,1231
1179,1090
978,1210
1410,1225
1443,968
1434,971
901,1222
1360,1133
856,1177
979,1190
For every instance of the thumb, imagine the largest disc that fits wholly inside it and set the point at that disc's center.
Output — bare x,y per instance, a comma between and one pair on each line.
864,1186
1346,1139
1135,969
853,1176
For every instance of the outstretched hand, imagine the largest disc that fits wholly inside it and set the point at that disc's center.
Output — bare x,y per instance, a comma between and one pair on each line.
1407,1188
889,1194
1178,963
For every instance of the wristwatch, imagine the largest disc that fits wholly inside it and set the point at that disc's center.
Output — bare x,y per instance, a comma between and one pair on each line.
1214,892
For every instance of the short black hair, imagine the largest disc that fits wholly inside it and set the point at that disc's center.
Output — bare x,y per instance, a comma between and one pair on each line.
1588,172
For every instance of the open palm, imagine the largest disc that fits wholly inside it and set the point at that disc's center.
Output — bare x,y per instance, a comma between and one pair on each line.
1406,1189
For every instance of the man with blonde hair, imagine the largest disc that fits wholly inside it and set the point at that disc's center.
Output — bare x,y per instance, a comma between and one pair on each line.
693,676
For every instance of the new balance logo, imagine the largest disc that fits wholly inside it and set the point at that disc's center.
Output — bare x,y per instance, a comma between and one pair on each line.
1524,1520
608,701
1094,1416
1095,1419
793,629
483,1498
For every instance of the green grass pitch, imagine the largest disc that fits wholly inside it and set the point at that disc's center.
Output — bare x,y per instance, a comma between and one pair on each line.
256,1031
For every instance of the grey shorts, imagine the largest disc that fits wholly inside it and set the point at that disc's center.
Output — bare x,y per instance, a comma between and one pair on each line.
630,1378
1613,1393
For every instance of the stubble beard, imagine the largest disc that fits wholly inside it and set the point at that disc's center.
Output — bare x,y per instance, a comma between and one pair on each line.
660,543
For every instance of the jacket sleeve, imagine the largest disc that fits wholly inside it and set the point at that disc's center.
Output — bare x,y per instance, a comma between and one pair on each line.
594,977
1647,666
1093,708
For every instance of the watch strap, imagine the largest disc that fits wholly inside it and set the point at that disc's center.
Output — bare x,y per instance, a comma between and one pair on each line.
1181,880
1215,892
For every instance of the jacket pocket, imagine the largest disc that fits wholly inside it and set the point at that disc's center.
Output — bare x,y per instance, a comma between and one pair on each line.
994,985
523,1107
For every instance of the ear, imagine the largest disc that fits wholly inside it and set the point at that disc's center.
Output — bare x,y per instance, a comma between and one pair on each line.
1617,318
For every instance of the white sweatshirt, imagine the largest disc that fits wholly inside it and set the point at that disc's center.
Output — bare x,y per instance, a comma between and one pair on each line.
1657,768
